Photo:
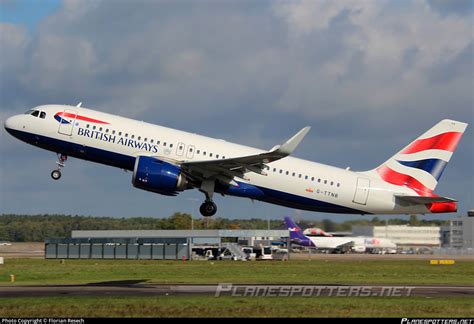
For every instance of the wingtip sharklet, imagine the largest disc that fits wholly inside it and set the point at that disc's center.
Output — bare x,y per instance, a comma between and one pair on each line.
290,145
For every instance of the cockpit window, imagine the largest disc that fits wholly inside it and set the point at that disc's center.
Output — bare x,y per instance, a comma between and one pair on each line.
29,112
35,113
43,115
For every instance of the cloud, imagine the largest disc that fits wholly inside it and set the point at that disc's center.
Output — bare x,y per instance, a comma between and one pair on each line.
369,76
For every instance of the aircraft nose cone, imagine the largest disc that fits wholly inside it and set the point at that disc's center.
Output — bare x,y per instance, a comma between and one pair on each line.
11,124
8,123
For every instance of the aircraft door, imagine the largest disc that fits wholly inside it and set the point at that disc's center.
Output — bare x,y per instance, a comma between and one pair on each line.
190,152
180,149
66,122
362,191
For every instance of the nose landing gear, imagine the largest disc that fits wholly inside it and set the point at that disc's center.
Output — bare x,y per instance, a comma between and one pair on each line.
56,174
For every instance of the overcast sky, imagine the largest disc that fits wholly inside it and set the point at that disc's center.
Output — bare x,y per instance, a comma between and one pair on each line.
368,76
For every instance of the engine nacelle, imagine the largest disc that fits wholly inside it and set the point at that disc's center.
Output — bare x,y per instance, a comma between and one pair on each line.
158,176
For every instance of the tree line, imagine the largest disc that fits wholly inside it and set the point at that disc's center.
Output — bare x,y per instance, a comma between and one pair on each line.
37,228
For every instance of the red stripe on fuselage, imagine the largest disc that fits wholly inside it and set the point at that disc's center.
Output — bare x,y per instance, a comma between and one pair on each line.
446,141
83,118
400,179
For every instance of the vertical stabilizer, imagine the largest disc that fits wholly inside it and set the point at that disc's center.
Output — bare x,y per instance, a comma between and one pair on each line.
420,164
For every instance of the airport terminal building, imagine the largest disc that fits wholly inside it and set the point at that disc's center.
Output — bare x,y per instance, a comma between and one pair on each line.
459,234
155,244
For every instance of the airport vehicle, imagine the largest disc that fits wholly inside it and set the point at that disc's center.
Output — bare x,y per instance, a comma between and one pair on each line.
167,161
266,253
250,254
357,244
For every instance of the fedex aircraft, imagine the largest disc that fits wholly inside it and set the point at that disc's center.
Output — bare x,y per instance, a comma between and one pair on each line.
325,241
167,161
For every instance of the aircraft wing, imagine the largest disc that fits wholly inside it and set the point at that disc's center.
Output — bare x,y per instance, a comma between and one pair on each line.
422,200
226,169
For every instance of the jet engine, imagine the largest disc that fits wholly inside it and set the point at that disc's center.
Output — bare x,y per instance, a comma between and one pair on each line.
158,176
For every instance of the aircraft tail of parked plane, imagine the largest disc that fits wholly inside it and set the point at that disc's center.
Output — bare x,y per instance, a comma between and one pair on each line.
296,234
167,161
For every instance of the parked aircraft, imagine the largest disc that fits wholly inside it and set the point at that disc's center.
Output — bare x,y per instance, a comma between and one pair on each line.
356,243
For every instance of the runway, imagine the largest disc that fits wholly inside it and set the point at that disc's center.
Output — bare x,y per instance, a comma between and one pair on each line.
132,289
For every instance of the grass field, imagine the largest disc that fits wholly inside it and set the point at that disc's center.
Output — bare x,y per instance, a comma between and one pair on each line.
235,307
402,272
37,271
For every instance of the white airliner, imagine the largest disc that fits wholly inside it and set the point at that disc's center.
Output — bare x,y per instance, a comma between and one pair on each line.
326,241
167,161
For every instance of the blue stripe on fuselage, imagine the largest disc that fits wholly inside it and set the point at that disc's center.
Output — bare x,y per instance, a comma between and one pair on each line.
127,162
76,150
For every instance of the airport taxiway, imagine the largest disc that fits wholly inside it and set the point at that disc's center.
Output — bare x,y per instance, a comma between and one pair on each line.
124,289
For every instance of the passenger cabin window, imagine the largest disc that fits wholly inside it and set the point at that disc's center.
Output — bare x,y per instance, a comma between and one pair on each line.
43,115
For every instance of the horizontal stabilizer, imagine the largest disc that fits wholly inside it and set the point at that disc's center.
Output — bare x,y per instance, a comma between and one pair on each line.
422,200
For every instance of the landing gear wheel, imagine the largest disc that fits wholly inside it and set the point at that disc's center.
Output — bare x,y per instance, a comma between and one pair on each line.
208,208
56,174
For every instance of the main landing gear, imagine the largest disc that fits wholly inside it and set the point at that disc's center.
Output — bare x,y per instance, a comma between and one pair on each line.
208,207
56,174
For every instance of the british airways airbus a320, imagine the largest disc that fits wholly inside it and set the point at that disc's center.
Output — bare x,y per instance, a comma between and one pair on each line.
167,161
